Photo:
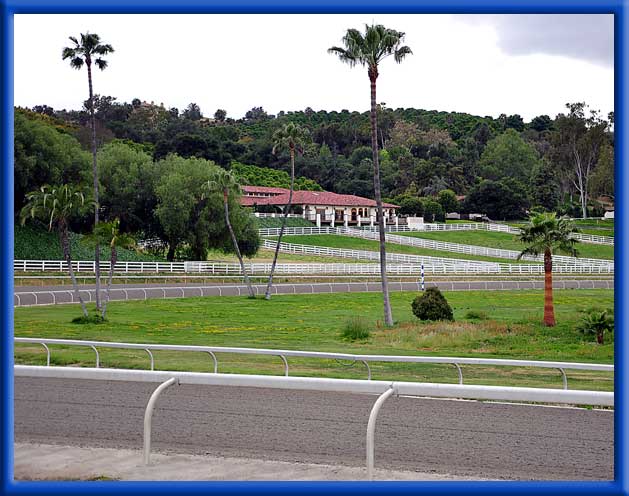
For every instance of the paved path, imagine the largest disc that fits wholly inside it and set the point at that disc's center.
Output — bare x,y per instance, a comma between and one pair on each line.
463,438
48,295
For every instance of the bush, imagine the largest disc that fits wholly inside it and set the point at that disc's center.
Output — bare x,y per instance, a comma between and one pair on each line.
355,328
433,212
95,318
476,315
596,324
432,305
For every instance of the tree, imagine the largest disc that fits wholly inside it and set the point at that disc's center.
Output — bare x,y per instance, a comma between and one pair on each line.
292,137
108,233
225,183
412,206
541,123
508,155
192,112
220,115
448,201
88,51
577,143
544,188
43,155
499,200
56,205
369,50
546,234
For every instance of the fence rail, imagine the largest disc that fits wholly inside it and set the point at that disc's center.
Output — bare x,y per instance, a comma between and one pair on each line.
473,226
384,389
284,354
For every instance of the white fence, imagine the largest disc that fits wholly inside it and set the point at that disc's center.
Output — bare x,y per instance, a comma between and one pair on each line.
384,389
284,354
476,226
443,265
469,249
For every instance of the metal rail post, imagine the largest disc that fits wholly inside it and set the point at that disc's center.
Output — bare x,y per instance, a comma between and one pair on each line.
371,429
148,416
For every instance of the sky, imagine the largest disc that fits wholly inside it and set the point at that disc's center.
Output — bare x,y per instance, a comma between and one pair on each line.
479,64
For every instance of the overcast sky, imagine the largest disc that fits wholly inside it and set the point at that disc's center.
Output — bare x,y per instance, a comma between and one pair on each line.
480,64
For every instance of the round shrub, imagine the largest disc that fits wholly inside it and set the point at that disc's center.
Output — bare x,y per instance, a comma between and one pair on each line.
432,305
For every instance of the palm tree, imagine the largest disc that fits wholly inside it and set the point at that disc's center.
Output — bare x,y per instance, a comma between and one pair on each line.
87,51
292,137
108,233
369,50
546,234
55,205
224,182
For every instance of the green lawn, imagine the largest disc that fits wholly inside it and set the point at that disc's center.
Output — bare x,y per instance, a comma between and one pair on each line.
504,241
314,322
351,243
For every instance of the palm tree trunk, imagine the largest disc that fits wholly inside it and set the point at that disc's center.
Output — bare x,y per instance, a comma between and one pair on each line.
267,293
65,246
549,310
388,316
112,266
95,175
235,241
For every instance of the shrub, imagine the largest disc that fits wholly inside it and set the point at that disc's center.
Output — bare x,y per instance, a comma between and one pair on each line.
432,305
476,315
95,318
595,324
355,328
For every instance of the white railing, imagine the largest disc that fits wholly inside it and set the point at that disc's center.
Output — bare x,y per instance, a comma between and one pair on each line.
284,354
384,389
468,249
440,264
477,226
61,297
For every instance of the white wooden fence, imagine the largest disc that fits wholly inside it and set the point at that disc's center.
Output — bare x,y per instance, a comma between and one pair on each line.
476,226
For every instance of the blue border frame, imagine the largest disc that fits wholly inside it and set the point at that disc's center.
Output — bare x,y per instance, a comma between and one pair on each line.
10,7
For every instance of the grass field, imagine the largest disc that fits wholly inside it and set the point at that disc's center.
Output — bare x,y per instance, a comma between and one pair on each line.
350,243
512,329
504,241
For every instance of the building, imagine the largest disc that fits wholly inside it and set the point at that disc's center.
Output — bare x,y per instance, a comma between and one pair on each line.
321,207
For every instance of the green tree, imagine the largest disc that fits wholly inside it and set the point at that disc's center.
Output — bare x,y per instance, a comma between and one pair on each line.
292,137
577,142
544,187
55,205
178,191
370,50
127,177
508,155
447,200
602,182
224,182
90,50
108,233
43,155
546,234
499,200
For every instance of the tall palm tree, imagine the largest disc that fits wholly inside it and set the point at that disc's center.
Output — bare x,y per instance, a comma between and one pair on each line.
55,205
90,50
369,50
293,137
224,182
108,233
546,234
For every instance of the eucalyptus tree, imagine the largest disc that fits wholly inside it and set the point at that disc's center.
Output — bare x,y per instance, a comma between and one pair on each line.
55,205
87,52
224,182
369,50
546,234
291,137
108,233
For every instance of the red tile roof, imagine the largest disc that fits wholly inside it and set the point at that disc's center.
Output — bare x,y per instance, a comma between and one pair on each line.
263,189
316,198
